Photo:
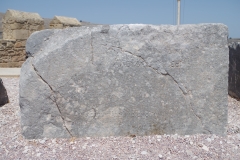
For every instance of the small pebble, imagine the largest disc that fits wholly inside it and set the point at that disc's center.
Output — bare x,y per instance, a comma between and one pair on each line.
25,151
159,136
144,152
160,156
39,154
42,141
205,148
189,153
209,139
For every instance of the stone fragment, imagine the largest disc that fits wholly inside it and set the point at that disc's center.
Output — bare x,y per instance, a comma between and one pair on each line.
234,69
3,94
125,80
160,156
205,148
60,22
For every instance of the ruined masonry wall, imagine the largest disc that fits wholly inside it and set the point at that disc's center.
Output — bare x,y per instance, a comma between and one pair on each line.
23,30
12,53
20,25
17,27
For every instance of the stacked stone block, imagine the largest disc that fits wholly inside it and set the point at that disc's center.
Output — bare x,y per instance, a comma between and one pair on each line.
60,22
17,27
20,25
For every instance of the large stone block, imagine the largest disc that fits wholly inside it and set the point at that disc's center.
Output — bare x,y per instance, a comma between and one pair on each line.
20,34
16,26
60,22
122,80
234,69
3,94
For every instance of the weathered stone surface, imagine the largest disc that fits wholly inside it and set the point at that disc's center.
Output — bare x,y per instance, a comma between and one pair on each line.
20,34
21,17
19,25
124,80
60,22
12,53
3,94
234,69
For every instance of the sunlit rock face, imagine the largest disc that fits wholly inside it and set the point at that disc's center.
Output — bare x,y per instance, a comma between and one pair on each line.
125,80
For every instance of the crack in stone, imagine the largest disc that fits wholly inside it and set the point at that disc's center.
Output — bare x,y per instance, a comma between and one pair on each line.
28,54
161,73
91,43
95,113
166,73
190,106
54,100
180,87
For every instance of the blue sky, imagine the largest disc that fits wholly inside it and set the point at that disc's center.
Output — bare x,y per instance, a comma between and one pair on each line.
135,11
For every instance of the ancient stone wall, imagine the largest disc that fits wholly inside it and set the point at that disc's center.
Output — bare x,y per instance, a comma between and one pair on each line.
60,22
17,27
20,25
12,53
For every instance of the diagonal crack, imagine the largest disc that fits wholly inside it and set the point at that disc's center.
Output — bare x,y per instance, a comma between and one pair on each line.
54,99
91,43
156,70
179,86
166,73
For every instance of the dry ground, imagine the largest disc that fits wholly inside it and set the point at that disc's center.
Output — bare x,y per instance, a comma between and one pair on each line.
14,146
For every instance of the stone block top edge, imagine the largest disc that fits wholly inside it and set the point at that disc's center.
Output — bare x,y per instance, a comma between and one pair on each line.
21,16
223,27
65,20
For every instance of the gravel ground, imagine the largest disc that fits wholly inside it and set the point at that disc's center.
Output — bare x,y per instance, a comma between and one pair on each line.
14,146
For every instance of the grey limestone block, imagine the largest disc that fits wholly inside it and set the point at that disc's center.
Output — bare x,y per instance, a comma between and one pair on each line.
124,80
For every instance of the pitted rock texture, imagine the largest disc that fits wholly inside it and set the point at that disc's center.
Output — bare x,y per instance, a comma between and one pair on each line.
234,69
125,80
3,94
